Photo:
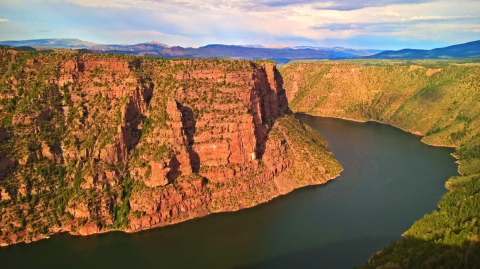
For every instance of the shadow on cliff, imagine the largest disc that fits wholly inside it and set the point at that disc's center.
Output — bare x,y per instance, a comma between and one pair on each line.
189,125
411,253
134,115
268,102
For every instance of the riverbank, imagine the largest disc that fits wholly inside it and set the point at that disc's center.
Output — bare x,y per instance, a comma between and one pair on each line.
284,169
318,225
86,233
443,107
416,133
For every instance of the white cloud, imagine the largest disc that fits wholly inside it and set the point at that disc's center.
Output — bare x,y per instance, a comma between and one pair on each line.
4,20
281,17
436,18
154,36
275,22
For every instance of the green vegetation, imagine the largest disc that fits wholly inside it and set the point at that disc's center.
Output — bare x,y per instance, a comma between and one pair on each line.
121,211
430,63
439,99
309,145
444,239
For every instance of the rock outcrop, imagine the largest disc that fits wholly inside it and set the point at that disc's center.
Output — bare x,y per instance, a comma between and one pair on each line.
125,143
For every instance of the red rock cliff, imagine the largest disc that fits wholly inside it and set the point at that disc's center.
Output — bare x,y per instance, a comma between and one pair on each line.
153,142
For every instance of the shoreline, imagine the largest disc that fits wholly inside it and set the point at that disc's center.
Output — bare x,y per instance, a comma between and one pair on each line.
228,211
62,230
416,134
457,159
376,121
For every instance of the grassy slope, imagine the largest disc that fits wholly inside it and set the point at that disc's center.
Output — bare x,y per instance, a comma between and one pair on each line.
443,106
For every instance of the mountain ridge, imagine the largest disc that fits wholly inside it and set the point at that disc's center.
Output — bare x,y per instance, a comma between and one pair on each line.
280,54
465,50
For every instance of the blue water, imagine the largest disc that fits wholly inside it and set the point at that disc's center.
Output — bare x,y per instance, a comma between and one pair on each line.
390,180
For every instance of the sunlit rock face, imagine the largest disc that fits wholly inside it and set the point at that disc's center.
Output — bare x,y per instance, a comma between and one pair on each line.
103,142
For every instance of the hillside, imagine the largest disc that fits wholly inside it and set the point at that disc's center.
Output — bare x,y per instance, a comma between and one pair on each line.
94,143
439,100
470,49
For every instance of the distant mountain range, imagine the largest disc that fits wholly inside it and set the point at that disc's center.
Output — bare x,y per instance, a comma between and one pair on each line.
470,49
279,54
53,43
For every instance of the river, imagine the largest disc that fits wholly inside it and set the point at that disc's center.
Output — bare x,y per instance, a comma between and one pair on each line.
390,180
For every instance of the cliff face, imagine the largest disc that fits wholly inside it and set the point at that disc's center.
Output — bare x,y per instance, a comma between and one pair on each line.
96,143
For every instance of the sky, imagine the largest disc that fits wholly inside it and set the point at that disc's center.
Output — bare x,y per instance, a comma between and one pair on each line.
374,24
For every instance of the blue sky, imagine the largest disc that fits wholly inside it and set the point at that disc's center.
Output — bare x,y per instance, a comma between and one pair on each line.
382,24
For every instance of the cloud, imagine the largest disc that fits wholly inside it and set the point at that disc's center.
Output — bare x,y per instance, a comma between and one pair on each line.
153,36
244,5
433,27
395,25
440,18
337,26
349,5
4,20
266,22
383,29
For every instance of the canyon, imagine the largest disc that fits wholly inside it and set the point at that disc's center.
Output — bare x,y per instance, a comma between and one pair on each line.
96,143
438,100
336,225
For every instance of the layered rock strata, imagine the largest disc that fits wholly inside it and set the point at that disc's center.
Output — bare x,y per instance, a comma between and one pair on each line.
94,143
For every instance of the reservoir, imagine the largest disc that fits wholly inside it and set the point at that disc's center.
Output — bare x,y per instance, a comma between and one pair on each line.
391,179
